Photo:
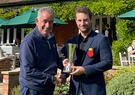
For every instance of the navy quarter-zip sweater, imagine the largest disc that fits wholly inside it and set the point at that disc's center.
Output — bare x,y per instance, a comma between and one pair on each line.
39,61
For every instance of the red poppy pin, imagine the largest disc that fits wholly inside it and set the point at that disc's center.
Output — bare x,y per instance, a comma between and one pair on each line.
90,52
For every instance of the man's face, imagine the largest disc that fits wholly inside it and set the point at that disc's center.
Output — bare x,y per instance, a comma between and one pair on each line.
83,22
45,23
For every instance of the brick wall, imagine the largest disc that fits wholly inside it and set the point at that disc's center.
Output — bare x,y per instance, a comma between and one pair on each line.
5,65
5,85
10,80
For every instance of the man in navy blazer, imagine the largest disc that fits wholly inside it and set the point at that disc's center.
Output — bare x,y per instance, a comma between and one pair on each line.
92,57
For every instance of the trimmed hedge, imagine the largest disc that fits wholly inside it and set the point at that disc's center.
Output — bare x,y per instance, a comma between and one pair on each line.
124,84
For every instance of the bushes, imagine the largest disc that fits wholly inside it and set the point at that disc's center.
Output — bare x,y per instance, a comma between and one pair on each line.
15,90
126,32
116,72
124,70
109,74
122,85
122,82
63,90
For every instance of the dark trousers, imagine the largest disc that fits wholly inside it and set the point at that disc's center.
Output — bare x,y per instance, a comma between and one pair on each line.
28,91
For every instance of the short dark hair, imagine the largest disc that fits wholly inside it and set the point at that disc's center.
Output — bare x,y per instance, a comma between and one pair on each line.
83,9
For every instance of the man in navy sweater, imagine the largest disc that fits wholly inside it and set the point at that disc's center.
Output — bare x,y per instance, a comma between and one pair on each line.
39,58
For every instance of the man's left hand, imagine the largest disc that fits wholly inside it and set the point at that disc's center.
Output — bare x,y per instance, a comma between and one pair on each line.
77,70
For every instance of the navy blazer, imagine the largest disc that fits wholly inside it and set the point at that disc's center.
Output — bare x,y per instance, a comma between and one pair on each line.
92,82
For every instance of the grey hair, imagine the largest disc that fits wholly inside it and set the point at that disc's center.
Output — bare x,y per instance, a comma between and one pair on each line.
48,9
133,42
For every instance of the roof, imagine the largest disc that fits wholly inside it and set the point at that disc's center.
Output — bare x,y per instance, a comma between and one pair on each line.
128,15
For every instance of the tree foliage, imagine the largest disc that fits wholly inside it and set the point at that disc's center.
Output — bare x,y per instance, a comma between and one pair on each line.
9,13
65,10
126,31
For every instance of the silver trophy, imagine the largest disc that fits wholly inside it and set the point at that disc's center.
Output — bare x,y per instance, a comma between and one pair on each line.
71,49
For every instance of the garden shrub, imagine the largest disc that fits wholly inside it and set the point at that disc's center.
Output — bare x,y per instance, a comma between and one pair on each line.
124,84
109,74
126,34
124,70
63,90
15,90
116,72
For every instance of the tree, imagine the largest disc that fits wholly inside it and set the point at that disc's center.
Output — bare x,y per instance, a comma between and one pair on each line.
9,13
65,10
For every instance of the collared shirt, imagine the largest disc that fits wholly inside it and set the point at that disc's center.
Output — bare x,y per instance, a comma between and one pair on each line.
97,31
106,33
82,42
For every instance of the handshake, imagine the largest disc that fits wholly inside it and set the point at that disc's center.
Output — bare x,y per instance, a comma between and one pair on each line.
70,69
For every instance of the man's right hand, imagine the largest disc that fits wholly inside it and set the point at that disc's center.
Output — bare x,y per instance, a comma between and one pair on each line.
57,81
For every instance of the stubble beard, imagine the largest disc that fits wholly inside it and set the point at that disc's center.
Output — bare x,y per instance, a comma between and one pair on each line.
86,31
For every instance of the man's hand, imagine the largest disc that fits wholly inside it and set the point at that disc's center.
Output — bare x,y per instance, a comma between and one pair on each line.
65,62
58,80
77,70
131,52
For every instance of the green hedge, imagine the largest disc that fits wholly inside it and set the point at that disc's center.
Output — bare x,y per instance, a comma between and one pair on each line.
126,34
62,90
123,84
